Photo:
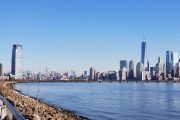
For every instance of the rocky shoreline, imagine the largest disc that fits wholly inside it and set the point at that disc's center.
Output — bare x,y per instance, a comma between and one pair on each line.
32,109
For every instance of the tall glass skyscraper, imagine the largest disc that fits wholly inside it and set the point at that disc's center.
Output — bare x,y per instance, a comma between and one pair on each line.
17,65
175,59
143,53
1,71
92,73
172,59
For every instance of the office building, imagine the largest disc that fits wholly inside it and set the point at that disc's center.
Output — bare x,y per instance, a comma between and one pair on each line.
92,73
175,60
17,61
169,62
139,71
132,70
152,73
1,71
159,70
123,65
178,69
123,74
164,71
85,74
143,53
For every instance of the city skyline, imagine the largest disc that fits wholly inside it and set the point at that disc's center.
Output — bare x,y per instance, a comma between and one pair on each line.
76,36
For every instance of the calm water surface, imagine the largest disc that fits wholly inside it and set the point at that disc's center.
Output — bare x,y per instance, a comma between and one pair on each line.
112,101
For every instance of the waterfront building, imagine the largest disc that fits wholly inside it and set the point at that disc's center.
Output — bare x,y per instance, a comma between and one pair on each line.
169,62
72,75
123,70
97,76
175,60
139,71
85,74
123,74
159,66
111,75
172,59
143,53
152,73
104,76
148,67
144,56
123,64
1,71
132,70
159,60
159,69
116,76
17,62
92,73
164,71
145,75
178,69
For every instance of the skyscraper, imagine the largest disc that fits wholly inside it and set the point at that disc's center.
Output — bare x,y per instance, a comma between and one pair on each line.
1,71
143,52
175,59
169,62
123,64
92,73
139,71
16,65
132,70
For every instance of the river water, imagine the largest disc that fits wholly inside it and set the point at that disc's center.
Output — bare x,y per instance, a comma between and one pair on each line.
111,101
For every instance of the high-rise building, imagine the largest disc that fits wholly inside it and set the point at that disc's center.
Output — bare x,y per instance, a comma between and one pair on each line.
17,61
175,59
143,52
85,74
159,66
178,69
92,73
139,71
172,59
144,56
169,61
123,74
123,64
164,71
159,60
152,73
159,69
1,71
132,70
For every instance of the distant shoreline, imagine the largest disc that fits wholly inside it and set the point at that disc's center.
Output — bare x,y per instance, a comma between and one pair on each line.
89,81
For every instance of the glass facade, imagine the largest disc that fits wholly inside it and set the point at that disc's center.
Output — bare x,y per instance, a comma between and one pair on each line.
175,59
17,66
143,52
123,64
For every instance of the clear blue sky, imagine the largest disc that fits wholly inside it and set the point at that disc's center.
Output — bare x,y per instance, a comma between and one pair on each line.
77,34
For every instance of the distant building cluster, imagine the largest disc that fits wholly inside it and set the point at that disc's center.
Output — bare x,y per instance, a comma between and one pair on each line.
169,70
142,70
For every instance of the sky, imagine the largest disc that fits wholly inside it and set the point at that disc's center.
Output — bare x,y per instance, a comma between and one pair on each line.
78,34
